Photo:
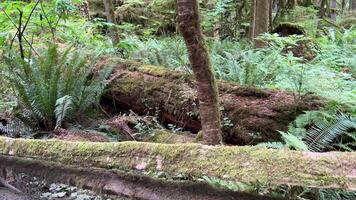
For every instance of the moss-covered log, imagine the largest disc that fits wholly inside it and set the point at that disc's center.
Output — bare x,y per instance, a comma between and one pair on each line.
116,182
242,164
250,115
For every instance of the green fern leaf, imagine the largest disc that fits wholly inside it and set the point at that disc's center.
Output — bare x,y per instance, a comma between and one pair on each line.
63,107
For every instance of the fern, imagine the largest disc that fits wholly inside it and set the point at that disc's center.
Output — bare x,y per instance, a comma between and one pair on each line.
63,107
294,142
45,83
323,134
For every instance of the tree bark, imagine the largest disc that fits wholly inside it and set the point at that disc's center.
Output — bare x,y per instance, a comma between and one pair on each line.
333,5
110,16
353,4
171,95
259,21
189,24
323,8
242,164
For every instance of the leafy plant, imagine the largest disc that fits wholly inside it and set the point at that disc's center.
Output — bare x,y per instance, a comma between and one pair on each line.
322,135
53,86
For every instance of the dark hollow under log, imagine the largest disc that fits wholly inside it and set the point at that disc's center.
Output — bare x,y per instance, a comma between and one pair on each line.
249,115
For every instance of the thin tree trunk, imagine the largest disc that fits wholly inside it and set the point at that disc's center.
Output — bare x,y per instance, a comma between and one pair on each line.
322,8
259,20
110,15
353,4
270,15
333,10
189,24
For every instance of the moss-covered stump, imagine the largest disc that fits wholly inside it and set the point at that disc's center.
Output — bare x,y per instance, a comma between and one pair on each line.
243,164
250,115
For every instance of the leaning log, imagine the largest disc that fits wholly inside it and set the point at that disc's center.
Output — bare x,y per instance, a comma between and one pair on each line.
243,164
250,115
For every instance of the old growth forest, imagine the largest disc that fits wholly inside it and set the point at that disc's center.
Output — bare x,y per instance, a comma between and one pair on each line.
177,99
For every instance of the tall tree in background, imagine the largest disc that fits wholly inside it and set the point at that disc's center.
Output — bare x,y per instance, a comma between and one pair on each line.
110,16
189,24
260,20
322,10
353,4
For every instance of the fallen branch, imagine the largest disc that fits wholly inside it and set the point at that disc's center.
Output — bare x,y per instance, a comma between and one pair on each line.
4,183
242,164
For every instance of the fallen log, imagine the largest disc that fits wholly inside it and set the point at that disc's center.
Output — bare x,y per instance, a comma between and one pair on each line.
250,115
243,164
120,183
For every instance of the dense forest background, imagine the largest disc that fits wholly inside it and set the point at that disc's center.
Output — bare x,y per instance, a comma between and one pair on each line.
120,70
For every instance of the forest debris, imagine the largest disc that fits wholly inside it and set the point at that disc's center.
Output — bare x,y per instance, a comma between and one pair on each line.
5,184
119,126
79,135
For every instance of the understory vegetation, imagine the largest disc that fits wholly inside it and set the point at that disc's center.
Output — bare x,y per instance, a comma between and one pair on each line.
54,81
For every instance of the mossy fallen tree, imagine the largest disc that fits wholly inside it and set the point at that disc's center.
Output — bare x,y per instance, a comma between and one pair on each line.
242,164
172,94
116,182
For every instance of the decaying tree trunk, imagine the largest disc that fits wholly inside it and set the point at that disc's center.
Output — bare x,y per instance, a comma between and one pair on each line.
249,115
259,20
110,16
242,164
189,24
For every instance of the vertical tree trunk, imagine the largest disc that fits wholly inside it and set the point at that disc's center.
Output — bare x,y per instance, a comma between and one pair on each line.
353,4
110,15
259,20
322,8
291,4
270,15
189,24
333,10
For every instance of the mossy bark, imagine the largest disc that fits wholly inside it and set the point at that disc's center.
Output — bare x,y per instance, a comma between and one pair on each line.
189,25
260,21
110,16
243,164
249,115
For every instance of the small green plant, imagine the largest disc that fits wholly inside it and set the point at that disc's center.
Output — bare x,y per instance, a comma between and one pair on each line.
53,86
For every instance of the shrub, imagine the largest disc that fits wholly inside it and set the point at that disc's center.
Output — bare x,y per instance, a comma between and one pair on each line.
52,86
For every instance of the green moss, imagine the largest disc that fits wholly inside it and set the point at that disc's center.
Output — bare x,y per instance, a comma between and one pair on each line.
243,164
199,136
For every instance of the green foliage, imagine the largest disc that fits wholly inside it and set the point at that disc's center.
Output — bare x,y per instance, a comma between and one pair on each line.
322,135
273,67
63,107
43,83
234,186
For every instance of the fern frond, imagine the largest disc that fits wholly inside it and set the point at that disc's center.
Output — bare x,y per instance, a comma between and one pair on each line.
293,141
323,134
63,107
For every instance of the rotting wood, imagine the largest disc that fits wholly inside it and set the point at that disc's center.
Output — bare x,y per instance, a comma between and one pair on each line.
249,115
242,164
